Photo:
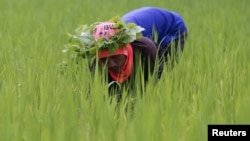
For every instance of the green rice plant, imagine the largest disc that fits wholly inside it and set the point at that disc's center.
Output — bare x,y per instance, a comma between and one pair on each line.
42,98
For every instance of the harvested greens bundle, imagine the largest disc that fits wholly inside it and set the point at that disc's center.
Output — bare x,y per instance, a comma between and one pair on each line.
82,43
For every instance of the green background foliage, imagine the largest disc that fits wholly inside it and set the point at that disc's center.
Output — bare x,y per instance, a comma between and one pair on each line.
39,100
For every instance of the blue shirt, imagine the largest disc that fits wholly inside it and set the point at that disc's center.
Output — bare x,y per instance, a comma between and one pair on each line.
167,24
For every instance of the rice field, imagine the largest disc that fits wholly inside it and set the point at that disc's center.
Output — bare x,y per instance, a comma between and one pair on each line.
40,100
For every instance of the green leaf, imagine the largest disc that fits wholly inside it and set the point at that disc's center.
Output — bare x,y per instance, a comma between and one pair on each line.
83,44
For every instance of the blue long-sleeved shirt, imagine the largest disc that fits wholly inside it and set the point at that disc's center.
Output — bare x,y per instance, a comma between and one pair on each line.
168,25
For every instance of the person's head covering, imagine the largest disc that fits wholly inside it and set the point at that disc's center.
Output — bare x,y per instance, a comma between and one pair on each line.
104,30
105,53
126,69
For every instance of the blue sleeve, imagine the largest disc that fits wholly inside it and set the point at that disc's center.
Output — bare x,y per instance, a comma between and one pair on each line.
167,24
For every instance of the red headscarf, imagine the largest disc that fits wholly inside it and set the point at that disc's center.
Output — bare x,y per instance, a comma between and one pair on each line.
127,66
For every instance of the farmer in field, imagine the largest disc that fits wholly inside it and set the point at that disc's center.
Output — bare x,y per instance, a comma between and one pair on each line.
166,28
117,48
121,48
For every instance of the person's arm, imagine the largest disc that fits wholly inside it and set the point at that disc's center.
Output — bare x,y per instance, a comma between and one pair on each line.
147,49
